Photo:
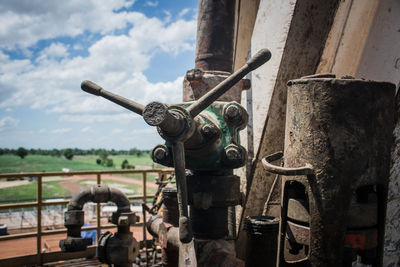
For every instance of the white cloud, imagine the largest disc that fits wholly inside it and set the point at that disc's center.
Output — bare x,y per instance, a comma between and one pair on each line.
7,123
91,118
116,62
23,23
87,129
116,131
54,51
151,3
61,131
183,12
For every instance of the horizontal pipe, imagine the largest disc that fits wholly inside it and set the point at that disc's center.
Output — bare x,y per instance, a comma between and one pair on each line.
154,227
100,194
44,174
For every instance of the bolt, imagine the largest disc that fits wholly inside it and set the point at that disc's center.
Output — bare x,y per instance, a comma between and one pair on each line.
233,153
246,84
160,153
209,130
231,112
194,74
123,221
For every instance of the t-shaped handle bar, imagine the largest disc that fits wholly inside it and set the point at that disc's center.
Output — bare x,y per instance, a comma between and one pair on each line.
94,89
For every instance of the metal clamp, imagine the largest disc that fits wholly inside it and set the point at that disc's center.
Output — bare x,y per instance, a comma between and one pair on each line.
308,169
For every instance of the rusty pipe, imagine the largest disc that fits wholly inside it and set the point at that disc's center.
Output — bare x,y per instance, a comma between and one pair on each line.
100,194
164,231
215,32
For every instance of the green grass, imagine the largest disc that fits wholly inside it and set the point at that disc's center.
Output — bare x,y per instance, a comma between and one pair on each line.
28,192
39,163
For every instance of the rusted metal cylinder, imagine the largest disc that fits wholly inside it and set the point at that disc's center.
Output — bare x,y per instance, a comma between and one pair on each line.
343,129
215,31
170,253
262,241
170,206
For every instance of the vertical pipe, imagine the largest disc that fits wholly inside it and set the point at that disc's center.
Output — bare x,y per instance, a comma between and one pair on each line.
39,221
98,212
215,32
144,178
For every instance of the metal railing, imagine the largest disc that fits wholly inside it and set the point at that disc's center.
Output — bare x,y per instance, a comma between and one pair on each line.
39,203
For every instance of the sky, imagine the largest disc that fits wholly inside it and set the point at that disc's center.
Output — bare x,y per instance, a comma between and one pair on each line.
139,49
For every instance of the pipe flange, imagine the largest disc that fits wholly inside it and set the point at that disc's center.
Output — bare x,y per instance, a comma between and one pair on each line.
189,126
73,244
102,246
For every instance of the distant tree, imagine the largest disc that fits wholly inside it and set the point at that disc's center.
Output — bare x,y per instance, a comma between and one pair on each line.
55,152
124,164
98,161
22,152
109,163
2,151
68,154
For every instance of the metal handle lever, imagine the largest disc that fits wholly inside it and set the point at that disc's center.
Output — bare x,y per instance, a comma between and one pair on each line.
306,170
94,89
256,61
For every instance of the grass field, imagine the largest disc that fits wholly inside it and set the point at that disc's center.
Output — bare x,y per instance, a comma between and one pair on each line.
39,163
27,192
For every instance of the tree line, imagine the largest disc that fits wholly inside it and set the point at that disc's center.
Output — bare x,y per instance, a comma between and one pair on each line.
69,153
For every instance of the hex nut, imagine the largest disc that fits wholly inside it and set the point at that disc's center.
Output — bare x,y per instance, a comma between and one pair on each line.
160,153
209,130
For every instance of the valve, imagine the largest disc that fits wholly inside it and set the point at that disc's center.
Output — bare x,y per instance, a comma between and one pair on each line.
180,123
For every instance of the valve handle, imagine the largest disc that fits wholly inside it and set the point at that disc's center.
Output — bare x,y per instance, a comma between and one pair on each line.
185,229
158,114
203,102
94,89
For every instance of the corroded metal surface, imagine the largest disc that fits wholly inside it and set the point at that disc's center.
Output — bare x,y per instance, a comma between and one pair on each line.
341,128
392,233
215,31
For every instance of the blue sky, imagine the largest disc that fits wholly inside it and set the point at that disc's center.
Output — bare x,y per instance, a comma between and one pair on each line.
139,49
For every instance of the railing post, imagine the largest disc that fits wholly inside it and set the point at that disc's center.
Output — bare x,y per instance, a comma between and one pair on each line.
39,221
98,212
144,178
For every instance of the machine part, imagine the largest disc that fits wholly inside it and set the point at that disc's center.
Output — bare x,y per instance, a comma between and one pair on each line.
343,129
262,241
235,156
203,102
210,223
197,83
217,253
176,125
161,154
215,31
120,248
235,114
94,89
170,215
205,191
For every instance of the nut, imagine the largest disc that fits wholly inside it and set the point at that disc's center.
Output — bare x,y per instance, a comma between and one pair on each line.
231,112
160,153
209,130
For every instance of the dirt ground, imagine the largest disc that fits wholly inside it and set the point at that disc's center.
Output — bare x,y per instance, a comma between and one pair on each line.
25,246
